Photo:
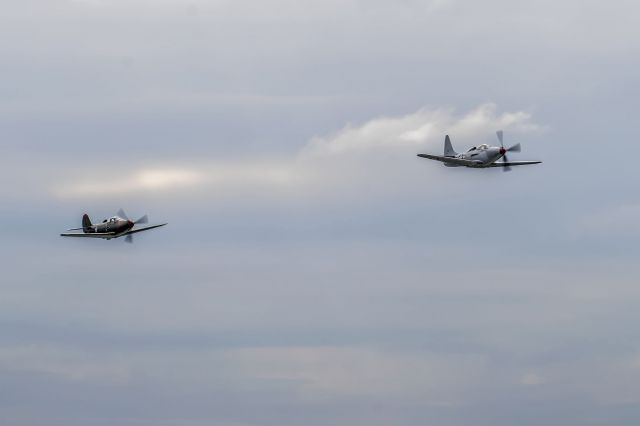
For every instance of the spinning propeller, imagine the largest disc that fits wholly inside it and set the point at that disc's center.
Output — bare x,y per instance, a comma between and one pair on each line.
143,219
503,151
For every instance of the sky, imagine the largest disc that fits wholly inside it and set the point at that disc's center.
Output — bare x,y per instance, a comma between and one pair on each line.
314,270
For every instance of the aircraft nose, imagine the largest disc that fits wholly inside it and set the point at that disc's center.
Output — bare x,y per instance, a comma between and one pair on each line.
502,151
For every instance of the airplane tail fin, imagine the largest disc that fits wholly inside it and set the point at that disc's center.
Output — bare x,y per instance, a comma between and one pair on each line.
448,149
86,223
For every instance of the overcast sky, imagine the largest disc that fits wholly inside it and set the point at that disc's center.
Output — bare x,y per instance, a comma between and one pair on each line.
314,270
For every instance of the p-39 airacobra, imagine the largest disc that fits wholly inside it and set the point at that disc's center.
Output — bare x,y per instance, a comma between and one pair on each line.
114,227
481,156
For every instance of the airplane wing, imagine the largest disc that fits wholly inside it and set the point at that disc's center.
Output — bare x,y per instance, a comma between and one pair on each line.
90,235
451,160
512,163
145,228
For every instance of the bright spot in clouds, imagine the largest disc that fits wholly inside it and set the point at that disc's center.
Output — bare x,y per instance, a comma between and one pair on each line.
159,179
143,180
531,379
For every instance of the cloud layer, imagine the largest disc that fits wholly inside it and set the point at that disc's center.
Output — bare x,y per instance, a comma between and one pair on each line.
314,270
344,158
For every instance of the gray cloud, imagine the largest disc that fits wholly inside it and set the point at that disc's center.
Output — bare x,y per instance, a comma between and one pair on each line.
314,270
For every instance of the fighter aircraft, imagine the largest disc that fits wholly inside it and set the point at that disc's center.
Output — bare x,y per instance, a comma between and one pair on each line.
114,227
481,156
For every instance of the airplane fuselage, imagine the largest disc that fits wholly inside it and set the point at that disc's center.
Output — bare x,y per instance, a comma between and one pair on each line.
115,225
483,156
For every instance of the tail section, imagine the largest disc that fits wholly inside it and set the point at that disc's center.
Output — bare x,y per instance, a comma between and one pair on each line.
448,149
86,223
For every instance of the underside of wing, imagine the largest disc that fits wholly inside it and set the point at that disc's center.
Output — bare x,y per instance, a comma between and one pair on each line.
451,160
146,228
90,235
513,163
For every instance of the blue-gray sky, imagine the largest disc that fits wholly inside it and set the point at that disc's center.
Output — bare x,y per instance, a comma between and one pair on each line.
314,271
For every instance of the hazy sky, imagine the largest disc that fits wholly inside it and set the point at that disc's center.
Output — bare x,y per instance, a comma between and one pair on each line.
314,270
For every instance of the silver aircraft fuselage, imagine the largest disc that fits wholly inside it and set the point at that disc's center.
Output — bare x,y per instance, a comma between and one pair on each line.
482,156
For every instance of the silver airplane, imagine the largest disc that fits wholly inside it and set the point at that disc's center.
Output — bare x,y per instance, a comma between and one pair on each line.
114,227
481,156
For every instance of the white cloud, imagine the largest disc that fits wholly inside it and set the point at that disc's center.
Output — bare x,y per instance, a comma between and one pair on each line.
220,177
342,161
425,127
161,179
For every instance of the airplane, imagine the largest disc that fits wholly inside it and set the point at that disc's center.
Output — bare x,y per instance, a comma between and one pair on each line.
114,227
479,157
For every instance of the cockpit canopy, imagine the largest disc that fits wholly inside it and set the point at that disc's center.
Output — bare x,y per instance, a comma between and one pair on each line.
479,147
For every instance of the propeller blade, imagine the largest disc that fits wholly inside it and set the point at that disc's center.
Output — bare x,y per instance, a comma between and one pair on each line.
129,238
122,214
514,148
506,160
143,219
